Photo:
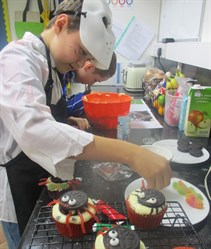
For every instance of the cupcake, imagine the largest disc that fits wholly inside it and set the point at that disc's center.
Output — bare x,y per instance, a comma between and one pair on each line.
146,208
74,214
56,186
118,238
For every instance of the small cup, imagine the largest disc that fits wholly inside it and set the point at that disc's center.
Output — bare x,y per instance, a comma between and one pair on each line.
172,108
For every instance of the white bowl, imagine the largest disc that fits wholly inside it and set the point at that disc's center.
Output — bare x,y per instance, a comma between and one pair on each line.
160,150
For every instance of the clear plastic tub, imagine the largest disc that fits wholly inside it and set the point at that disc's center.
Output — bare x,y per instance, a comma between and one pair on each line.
172,108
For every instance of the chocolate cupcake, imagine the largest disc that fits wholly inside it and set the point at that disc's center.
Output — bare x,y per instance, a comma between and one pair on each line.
118,238
146,208
74,214
56,186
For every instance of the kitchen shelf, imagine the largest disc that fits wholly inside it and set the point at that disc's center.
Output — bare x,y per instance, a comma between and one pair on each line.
192,53
175,230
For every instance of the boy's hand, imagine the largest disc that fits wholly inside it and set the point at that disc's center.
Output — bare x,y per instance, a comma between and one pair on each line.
82,123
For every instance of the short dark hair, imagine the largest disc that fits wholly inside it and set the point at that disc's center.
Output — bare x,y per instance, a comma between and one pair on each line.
110,71
71,8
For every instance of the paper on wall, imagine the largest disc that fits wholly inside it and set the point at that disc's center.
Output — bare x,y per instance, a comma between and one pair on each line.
134,40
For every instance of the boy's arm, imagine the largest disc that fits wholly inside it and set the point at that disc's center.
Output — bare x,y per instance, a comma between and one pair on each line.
75,104
154,168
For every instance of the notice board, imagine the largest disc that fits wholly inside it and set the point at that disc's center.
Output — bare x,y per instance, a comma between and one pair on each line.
181,19
4,24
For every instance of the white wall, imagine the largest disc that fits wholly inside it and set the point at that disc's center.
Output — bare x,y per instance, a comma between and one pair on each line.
146,11
206,26
191,53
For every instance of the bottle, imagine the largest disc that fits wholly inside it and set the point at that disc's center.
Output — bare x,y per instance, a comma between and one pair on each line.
123,128
181,124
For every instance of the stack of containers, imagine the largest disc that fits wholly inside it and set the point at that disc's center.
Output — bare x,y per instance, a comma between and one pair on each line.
173,103
176,102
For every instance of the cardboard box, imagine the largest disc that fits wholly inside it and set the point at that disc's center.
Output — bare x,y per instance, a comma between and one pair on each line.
198,114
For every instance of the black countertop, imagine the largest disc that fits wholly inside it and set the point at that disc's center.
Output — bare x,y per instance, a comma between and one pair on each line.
113,191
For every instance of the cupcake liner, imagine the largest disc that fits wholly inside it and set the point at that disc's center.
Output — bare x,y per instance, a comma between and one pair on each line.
144,221
73,230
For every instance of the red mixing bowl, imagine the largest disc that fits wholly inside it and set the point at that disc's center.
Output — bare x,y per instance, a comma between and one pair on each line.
103,108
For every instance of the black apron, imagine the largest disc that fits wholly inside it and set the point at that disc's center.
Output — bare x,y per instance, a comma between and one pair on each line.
23,173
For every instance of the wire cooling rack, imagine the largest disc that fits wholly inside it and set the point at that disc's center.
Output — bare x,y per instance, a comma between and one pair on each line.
175,230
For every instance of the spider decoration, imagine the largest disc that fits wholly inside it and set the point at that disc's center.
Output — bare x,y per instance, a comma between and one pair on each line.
55,183
151,198
76,208
118,238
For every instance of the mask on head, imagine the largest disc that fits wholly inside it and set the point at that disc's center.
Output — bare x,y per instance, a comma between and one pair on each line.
95,28
96,32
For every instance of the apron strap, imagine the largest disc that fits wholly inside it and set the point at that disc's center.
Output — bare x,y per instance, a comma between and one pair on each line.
49,83
59,111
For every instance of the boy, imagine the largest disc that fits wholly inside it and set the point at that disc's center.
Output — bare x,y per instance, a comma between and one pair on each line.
35,139
87,75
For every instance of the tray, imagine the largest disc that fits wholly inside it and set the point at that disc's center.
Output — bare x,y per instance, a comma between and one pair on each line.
178,232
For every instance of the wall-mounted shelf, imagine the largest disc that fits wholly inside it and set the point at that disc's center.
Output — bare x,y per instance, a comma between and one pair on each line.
193,53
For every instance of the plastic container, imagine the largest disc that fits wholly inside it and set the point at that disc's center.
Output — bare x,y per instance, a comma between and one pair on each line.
172,108
181,125
123,128
103,108
183,89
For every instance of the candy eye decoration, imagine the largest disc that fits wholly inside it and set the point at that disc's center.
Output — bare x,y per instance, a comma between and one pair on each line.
113,234
152,200
114,242
141,194
72,202
138,190
65,198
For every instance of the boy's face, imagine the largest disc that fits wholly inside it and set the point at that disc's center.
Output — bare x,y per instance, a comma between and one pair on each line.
66,47
88,77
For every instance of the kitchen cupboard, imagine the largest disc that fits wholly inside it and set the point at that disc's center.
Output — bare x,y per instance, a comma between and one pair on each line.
181,20
195,53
